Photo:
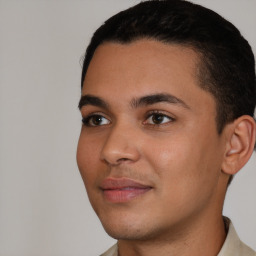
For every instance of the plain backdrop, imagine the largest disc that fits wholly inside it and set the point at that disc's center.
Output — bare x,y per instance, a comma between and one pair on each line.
44,210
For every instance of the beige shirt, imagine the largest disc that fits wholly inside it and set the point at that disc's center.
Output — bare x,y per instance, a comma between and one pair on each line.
232,246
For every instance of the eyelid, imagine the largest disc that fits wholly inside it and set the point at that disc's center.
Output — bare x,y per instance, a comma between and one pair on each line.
86,114
159,112
86,118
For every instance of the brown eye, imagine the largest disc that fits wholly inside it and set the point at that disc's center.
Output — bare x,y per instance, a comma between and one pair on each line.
95,120
158,118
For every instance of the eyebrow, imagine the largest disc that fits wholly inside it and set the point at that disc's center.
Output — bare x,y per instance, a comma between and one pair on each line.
135,103
157,98
92,100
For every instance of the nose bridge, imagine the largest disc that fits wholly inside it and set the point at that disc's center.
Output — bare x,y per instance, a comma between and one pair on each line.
120,144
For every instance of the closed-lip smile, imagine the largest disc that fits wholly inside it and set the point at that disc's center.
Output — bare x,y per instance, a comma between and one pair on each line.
120,190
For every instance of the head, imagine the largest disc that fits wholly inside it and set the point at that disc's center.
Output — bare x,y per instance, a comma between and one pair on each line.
198,61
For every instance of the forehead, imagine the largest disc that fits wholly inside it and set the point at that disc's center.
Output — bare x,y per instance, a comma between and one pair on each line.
144,67
136,59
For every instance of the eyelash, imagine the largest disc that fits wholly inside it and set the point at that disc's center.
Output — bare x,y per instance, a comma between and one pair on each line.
159,113
86,120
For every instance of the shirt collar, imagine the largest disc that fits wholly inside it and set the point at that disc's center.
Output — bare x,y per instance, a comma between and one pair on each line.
233,245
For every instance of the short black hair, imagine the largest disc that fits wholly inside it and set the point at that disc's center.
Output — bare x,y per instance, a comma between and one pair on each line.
227,65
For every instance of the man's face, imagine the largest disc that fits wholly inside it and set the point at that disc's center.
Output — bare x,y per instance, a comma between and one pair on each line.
149,152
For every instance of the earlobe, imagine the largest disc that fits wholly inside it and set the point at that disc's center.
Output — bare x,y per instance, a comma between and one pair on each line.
240,144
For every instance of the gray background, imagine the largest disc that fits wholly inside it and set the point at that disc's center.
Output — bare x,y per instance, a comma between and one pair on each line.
44,209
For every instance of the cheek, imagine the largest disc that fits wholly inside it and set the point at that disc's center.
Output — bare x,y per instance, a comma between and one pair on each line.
170,155
88,153
184,184
184,163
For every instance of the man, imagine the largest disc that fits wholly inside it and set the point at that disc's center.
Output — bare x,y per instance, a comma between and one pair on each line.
168,98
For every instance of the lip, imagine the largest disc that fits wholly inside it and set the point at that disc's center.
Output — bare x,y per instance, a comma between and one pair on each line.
120,190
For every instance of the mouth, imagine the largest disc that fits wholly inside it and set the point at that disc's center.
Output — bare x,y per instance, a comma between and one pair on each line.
121,190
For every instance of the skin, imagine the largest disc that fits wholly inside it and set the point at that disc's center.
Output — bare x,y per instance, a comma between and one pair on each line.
180,158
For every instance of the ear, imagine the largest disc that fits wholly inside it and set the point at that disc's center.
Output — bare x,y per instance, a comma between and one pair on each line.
240,144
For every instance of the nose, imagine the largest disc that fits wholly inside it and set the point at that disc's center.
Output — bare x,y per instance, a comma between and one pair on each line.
121,146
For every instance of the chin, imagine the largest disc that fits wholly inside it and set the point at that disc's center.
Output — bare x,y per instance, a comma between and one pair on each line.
119,228
129,229
128,233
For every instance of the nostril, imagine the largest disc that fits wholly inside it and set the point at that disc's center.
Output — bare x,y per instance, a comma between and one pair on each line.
117,162
123,159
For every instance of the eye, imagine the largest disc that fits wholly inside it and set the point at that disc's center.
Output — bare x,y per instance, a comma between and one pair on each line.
95,120
158,118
